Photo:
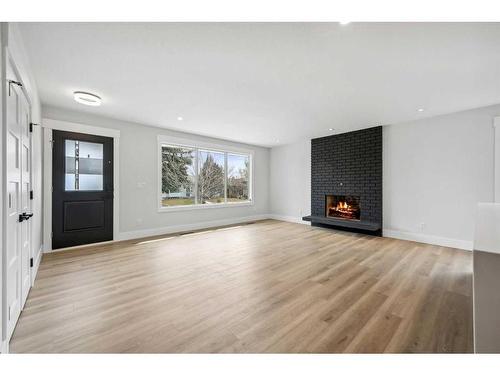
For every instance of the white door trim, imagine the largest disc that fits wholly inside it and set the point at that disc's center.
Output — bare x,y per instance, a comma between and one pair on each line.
49,125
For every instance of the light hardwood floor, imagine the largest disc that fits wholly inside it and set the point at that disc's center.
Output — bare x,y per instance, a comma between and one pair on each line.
270,286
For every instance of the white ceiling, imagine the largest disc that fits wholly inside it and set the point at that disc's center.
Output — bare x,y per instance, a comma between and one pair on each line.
262,82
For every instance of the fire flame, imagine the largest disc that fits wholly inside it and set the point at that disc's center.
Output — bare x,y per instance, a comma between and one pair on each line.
342,209
342,206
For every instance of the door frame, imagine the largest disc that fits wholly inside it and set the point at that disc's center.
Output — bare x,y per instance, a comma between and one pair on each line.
48,126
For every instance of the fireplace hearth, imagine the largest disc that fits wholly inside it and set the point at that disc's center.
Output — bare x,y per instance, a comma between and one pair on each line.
342,206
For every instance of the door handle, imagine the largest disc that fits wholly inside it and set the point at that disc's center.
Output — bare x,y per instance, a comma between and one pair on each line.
24,216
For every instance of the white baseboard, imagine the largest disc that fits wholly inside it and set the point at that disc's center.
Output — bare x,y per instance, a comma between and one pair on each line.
290,219
187,227
401,235
132,235
408,236
427,238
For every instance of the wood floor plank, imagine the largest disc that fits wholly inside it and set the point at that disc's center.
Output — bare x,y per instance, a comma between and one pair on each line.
267,287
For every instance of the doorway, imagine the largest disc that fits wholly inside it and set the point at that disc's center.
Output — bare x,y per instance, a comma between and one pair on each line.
82,189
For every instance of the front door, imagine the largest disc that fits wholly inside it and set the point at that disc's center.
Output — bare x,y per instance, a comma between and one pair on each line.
82,191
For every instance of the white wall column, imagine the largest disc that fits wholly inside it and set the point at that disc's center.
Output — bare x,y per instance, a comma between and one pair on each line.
496,125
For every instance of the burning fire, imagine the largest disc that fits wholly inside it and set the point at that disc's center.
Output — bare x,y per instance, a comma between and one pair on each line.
342,206
343,210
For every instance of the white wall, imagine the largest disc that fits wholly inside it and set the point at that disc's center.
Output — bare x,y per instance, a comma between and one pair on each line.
497,159
435,172
138,176
290,183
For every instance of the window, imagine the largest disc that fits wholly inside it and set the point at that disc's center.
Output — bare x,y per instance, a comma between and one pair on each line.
83,165
211,173
238,172
178,176
203,177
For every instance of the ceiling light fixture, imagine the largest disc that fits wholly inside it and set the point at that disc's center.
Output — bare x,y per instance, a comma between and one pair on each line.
420,110
87,98
179,118
344,22
331,129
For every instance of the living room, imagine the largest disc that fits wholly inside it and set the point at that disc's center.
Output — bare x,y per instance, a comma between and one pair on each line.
250,187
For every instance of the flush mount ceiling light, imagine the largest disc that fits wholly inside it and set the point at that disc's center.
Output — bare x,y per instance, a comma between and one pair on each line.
87,98
179,118
420,110
331,129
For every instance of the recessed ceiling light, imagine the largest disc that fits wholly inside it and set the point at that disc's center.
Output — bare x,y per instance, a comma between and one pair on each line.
420,109
179,118
87,98
331,129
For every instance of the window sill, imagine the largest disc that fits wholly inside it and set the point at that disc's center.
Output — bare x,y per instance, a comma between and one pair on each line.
204,206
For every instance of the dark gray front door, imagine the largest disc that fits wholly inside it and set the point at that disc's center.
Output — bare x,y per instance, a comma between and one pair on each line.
82,196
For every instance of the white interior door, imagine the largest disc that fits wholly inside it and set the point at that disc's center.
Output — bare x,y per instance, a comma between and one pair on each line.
18,232
13,233
25,198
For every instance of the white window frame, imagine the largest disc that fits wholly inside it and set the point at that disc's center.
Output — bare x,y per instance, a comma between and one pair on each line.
204,146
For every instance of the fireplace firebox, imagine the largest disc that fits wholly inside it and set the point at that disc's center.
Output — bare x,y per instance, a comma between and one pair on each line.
342,207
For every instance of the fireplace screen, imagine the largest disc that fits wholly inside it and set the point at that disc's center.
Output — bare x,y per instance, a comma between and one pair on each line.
343,207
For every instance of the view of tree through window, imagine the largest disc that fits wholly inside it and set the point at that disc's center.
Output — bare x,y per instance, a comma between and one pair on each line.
237,177
192,176
210,177
178,176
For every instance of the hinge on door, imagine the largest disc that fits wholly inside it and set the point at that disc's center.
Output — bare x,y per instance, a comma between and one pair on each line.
31,194
31,126
11,82
31,262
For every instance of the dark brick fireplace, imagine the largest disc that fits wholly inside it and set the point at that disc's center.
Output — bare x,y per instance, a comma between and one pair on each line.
346,181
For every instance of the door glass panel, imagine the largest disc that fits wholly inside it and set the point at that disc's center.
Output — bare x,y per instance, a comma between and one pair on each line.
84,166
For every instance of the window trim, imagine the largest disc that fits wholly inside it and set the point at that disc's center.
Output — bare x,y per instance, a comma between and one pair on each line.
205,146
